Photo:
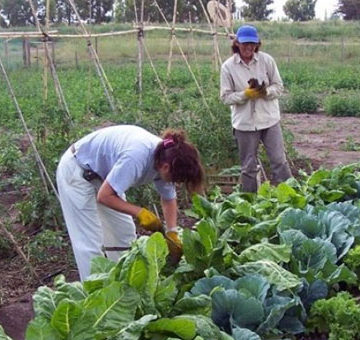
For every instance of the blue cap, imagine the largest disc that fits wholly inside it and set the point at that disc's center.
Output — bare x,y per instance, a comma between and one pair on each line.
247,34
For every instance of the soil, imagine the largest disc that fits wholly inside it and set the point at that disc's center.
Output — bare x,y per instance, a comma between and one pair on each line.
320,141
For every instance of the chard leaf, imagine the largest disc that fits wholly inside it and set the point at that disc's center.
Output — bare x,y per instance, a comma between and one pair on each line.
111,308
202,206
268,251
200,305
239,333
180,326
134,330
286,193
46,301
101,264
317,176
66,316
331,195
165,295
275,274
73,290
95,282
40,329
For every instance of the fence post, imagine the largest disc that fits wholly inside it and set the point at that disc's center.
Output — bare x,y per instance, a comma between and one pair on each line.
6,47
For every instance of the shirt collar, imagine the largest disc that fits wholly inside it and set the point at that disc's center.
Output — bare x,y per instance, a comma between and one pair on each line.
238,59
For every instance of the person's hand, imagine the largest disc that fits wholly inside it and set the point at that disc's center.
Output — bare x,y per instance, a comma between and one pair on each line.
255,90
148,220
174,245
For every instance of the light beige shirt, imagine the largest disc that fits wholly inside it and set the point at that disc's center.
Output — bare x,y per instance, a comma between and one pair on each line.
256,114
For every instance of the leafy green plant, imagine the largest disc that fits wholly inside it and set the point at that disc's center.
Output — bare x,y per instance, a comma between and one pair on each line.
301,101
342,104
41,246
339,316
352,259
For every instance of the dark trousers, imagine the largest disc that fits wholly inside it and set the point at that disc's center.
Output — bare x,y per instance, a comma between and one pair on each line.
248,144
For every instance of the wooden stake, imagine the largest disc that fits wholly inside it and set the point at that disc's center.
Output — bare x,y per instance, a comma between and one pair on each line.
18,249
172,39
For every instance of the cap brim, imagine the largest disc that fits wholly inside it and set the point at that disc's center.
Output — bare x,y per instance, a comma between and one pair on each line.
243,40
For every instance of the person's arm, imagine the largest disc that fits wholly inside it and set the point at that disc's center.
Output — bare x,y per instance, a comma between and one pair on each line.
169,208
275,88
228,94
107,196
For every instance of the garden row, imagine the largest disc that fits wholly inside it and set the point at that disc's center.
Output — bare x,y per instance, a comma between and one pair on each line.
270,265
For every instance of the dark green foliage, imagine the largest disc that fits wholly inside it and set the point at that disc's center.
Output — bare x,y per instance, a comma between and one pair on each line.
256,9
300,10
343,104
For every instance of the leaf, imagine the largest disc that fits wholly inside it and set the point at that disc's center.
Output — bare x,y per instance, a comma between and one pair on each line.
65,316
101,264
73,290
113,307
317,176
46,301
239,333
199,305
207,285
253,285
134,330
181,327
3,336
275,274
266,251
40,329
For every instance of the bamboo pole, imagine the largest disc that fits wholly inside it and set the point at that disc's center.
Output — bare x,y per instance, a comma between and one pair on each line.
18,249
54,34
172,38
99,69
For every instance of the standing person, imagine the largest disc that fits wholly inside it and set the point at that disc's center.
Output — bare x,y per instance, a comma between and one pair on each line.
251,85
96,171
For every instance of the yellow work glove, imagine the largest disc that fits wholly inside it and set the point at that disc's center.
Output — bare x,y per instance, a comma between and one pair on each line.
174,245
252,93
148,220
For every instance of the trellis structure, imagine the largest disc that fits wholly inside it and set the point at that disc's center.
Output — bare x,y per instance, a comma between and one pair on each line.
46,36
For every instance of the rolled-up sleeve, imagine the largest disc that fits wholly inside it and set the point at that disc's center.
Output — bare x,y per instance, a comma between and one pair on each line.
228,95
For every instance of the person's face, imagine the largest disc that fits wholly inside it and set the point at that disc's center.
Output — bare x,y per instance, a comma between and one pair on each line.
247,50
164,172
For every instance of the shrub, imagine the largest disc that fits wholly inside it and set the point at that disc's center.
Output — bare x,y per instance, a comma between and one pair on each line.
300,100
342,105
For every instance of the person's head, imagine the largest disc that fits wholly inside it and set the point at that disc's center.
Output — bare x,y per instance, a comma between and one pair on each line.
178,161
247,42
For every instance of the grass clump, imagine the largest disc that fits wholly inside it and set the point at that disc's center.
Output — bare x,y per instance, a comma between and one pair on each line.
343,105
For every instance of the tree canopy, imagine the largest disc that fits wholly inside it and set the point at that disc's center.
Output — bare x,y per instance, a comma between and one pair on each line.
256,9
300,10
349,9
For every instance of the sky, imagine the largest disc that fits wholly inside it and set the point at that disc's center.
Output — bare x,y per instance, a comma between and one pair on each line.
323,8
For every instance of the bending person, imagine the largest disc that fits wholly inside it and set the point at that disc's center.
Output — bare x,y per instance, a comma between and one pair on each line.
94,174
251,85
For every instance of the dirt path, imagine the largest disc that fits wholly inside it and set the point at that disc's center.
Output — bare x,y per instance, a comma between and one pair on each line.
327,141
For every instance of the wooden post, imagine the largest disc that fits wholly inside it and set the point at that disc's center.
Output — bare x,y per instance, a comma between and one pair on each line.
53,52
172,38
37,56
342,49
140,38
28,53
76,60
6,47
24,51
96,45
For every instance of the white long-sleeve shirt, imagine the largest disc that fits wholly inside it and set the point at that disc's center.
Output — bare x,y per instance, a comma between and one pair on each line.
256,114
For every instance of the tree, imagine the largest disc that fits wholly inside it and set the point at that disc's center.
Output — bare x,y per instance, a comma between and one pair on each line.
300,10
17,12
256,9
349,9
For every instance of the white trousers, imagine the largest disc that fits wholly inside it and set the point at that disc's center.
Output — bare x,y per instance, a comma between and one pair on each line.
90,225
